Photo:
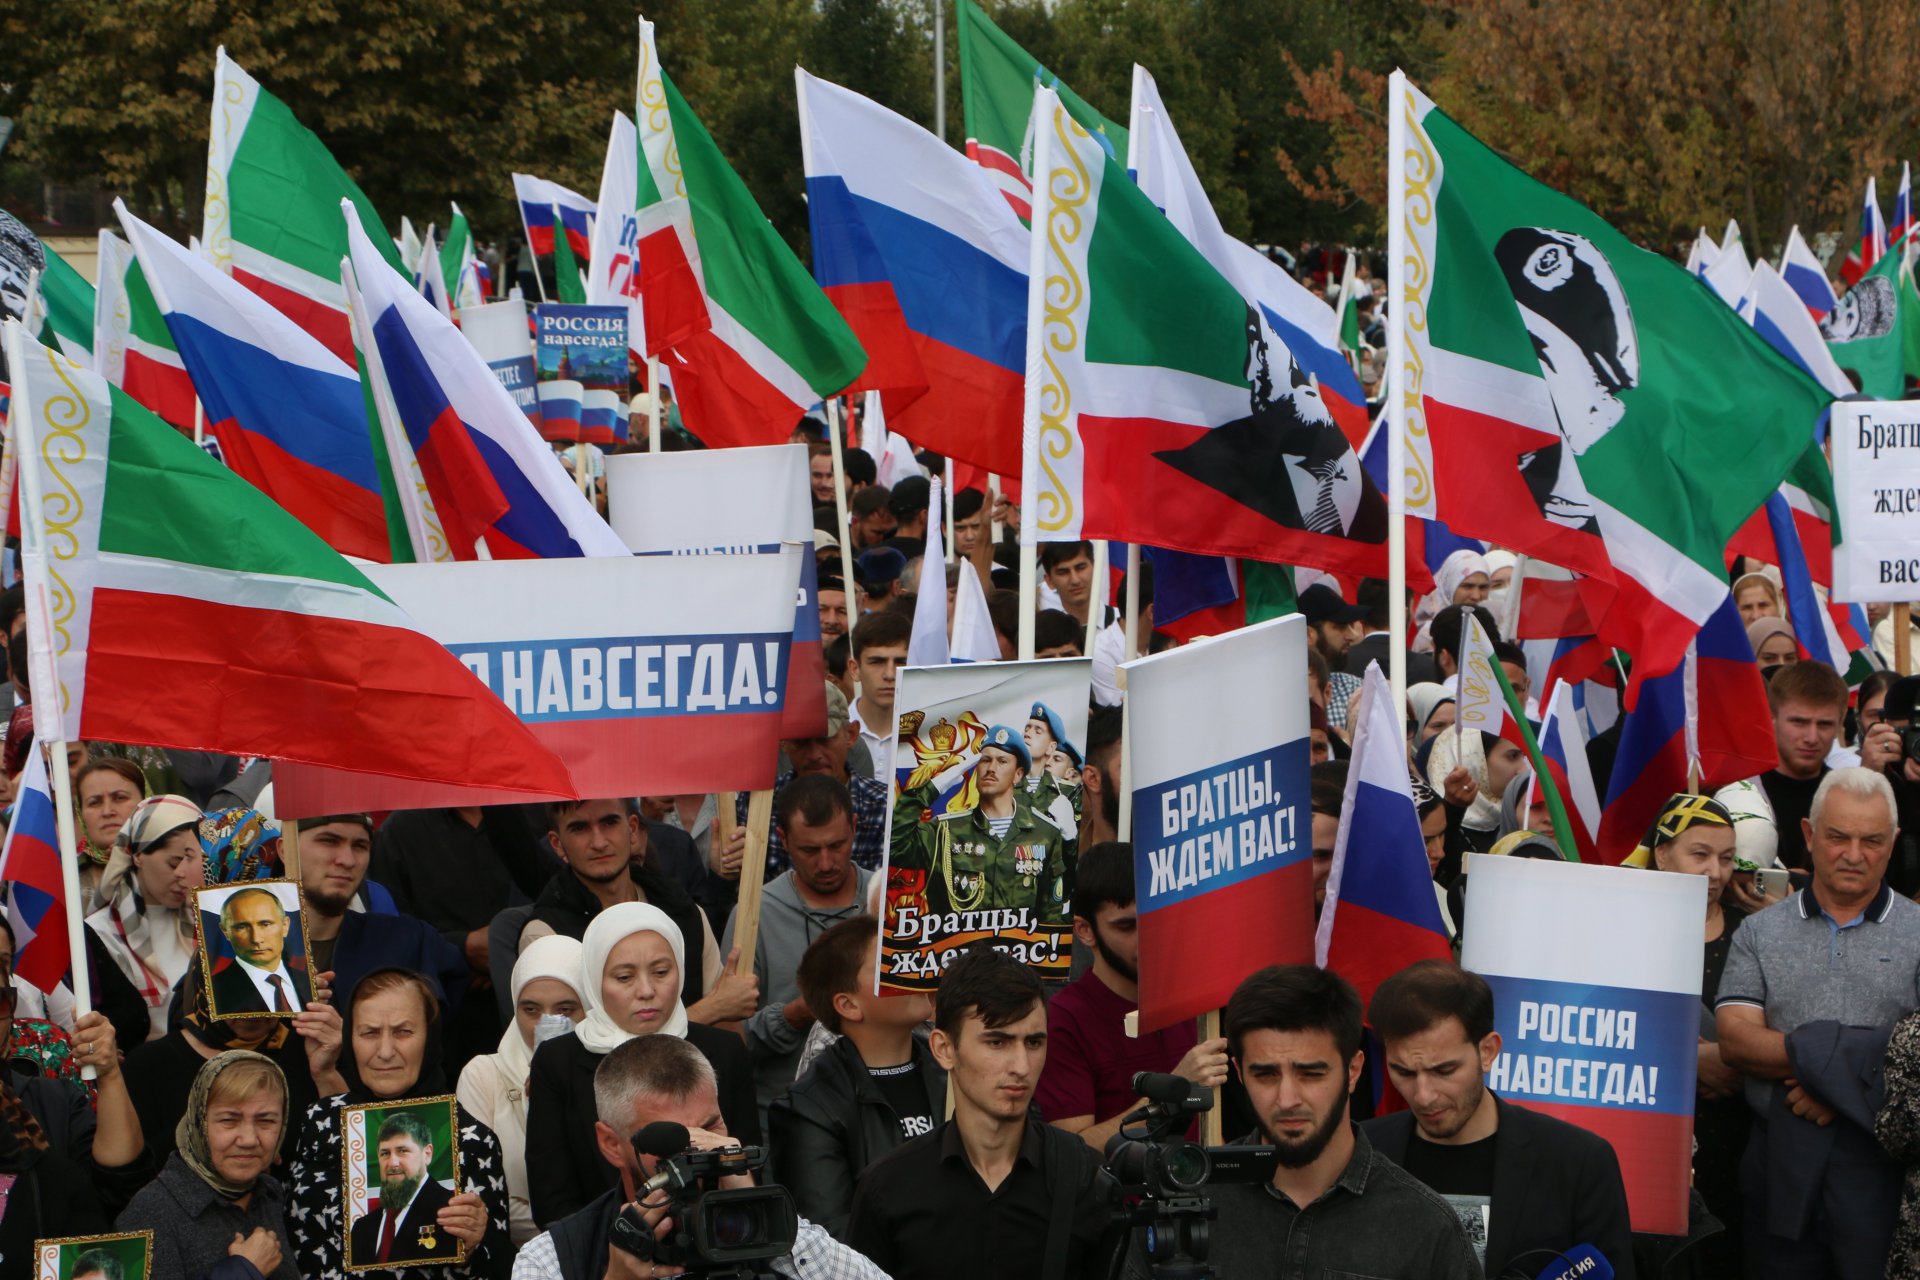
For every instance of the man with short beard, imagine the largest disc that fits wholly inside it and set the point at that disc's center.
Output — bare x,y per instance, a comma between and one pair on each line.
1335,1205
1527,1186
1087,1085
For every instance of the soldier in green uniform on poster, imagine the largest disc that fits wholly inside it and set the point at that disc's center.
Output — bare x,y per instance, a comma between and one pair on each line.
1001,855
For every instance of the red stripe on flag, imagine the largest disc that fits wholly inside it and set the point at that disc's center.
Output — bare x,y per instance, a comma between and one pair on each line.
645,755
346,517
466,497
673,307
1184,514
974,414
872,311
323,320
724,400
1369,946
166,389
1195,952
173,671
1655,1151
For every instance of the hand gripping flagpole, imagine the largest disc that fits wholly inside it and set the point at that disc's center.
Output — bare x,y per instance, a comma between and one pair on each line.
42,677
1397,385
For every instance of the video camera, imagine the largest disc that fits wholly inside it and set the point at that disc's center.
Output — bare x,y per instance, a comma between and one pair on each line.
715,1232
1167,1176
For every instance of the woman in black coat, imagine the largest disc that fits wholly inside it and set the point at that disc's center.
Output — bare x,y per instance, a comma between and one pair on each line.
631,967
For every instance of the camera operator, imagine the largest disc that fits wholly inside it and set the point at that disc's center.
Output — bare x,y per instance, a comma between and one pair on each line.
994,1191
644,1081
1890,746
1334,1206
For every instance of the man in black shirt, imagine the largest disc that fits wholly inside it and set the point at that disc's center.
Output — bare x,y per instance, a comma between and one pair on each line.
981,1194
1526,1186
868,1092
1335,1206
1809,701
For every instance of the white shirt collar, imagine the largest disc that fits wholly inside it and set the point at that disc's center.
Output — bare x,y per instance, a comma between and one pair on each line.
265,988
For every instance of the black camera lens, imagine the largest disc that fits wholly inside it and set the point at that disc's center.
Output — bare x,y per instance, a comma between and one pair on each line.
736,1225
1186,1165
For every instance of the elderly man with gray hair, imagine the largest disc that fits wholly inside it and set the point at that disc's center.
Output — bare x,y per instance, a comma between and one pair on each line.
647,1080
1812,987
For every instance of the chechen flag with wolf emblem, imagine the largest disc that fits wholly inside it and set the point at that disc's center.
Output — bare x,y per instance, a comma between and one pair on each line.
1581,399
1161,407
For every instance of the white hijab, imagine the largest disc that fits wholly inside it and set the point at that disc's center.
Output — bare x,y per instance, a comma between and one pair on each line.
598,1031
551,956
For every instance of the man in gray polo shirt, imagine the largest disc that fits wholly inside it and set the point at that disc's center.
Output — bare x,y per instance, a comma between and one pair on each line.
1845,950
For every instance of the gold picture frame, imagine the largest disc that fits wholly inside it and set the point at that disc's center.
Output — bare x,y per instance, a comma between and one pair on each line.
239,988
358,1157
55,1259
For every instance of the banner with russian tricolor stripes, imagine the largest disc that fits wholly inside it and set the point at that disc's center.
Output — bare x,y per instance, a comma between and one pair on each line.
1216,741
1596,988
718,501
646,675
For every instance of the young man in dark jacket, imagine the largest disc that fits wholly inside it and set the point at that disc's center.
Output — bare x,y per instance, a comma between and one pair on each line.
867,1092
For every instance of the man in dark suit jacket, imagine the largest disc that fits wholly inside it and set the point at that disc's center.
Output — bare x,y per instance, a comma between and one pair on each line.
403,1155
1372,647
1536,1185
256,925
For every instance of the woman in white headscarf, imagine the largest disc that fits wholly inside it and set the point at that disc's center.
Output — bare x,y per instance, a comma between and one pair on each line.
1463,578
631,964
145,921
1486,764
546,984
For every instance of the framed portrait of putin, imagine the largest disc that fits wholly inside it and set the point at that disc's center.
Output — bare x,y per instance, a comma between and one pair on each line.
253,948
125,1255
401,1166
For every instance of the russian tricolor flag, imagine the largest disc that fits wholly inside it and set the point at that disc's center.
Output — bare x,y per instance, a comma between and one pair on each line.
288,412
1381,913
538,198
1563,747
924,258
1782,316
1902,206
1712,709
476,448
1873,240
30,866
1806,277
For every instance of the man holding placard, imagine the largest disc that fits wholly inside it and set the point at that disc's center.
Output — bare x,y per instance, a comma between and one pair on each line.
1527,1187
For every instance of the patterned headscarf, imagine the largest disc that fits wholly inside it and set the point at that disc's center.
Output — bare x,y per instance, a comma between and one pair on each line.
190,1135
240,844
1683,811
151,822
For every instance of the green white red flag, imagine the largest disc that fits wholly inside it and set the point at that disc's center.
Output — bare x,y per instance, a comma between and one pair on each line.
273,208
181,607
772,345
1576,397
132,348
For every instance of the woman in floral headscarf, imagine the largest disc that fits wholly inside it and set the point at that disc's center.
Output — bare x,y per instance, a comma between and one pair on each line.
145,922
235,845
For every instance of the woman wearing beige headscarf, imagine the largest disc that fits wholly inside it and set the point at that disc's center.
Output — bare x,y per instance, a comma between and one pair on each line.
1773,642
215,1204
144,922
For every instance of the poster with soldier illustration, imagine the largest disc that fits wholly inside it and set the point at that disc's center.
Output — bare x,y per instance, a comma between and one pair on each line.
984,817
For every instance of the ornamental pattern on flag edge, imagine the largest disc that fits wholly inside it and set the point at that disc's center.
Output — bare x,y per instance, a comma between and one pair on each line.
1069,187
652,98
217,231
1422,167
64,417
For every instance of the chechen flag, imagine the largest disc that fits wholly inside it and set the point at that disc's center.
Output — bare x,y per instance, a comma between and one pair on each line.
1164,408
30,867
761,342
1381,913
190,611
132,348
1582,399
273,208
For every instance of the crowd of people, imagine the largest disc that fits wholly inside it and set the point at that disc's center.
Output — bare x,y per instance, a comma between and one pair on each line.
573,974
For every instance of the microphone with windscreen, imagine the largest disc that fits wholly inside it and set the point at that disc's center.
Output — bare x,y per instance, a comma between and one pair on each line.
1577,1262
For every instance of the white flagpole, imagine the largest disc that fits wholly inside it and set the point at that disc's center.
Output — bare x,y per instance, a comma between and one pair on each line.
1397,386
653,412
387,415
840,509
1097,594
1132,647
42,676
